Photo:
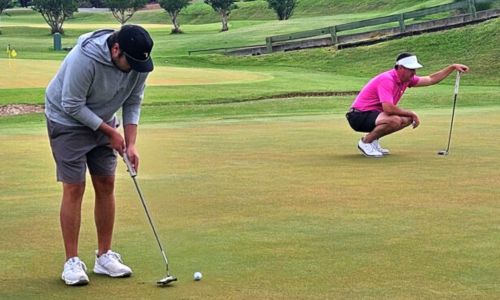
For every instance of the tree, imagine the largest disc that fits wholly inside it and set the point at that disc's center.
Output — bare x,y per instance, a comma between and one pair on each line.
55,12
24,3
4,4
97,3
173,8
223,7
283,8
123,10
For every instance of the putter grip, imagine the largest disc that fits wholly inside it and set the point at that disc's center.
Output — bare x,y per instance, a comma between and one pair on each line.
130,168
457,82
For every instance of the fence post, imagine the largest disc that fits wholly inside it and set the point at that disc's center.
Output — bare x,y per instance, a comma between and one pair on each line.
269,45
402,26
472,8
333,32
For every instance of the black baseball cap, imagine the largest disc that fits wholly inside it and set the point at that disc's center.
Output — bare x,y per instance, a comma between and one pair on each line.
136,44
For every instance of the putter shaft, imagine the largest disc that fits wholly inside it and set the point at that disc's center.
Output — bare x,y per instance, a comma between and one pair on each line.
133,174
455,94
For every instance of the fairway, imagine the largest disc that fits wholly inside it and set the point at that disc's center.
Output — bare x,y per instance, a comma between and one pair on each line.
28,73
280,208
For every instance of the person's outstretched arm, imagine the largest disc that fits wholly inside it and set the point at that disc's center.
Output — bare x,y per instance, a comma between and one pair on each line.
442,74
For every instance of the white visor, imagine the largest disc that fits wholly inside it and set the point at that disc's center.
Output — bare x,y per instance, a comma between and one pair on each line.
409,62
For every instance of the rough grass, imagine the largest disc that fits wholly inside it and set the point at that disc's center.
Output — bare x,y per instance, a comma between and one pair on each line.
473,45
200,13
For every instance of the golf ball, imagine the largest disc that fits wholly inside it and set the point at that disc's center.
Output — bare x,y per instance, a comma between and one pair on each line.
197,276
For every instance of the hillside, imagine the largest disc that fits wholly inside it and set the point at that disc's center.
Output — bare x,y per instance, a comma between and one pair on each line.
475,45
199,13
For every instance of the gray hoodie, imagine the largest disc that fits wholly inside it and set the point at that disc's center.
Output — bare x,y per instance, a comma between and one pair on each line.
88,89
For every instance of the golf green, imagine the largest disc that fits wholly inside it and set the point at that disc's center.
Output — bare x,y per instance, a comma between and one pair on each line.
272,208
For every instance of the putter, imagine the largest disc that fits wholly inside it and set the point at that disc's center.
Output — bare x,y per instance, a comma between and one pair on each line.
169,278
457,83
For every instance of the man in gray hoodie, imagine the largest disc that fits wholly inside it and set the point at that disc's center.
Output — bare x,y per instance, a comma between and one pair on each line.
105,72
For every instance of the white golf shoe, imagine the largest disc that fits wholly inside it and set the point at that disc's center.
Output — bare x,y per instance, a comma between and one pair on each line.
75,272
111,264
377,146
368,149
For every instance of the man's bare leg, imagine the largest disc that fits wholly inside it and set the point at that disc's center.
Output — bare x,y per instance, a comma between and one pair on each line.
107,263
70,216
104,211
385,125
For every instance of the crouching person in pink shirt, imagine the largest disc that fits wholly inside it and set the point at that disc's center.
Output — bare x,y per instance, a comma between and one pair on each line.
375,109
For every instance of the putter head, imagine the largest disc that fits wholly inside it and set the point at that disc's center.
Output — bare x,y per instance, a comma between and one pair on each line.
443,152
167,280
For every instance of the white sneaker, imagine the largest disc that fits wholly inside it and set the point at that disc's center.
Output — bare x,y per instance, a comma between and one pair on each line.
368,149
377,146
75,272
111,264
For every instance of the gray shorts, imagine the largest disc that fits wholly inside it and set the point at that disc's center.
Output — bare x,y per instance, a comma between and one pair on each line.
76,147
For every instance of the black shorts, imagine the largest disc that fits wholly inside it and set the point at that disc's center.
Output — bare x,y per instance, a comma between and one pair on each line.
362,121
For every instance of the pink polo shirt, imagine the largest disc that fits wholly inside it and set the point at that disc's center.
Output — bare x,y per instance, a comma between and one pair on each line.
383,88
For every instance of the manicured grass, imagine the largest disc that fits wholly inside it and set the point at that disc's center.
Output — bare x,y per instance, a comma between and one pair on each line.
273,208
25,73
268,197
311,70
181,108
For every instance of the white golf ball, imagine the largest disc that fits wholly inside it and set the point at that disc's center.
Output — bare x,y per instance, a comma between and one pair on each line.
197,276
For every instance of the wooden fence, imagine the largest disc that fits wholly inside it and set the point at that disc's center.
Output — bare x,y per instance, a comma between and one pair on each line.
357,33
333,31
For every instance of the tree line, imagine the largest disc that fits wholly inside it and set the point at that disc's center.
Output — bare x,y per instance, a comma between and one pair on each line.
55,12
